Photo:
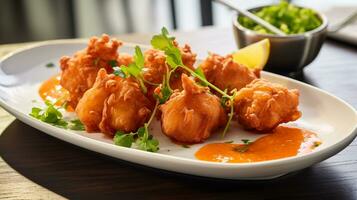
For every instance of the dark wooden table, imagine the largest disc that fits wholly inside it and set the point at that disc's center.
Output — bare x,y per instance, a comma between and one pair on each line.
35,165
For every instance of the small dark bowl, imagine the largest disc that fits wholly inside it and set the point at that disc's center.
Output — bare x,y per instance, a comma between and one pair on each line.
289,53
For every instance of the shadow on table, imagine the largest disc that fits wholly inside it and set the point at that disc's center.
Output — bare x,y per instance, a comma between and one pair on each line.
76,173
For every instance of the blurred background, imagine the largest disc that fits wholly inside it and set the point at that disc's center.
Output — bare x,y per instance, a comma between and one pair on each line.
33,20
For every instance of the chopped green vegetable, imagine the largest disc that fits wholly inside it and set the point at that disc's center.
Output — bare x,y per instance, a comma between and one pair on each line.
287,17
185,146
229,142
49,65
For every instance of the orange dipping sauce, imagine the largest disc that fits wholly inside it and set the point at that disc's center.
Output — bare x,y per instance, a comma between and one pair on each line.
282,142
52,90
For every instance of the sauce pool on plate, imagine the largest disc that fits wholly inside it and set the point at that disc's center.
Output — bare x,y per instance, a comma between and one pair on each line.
52,90
282,142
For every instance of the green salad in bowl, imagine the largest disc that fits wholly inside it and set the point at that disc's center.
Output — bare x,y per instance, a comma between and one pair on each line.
287,17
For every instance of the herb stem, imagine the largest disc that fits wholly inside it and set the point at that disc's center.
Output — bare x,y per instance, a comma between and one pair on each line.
205,81
230,115
147,124
153,112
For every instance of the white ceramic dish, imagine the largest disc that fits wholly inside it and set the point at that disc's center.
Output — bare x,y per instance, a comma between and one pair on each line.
332,119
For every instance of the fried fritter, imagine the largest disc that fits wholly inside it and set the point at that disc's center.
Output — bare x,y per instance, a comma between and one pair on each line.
126,109
191,115
79,72
156,67
90,107
226,74
262,105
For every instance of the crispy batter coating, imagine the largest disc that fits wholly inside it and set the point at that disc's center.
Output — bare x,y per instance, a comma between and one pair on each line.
90,106
190,116
126,109
262,105
124,59
79,72
156,67
226,74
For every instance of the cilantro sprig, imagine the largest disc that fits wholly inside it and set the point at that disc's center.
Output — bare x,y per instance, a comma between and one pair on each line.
141,138
52,115
133,69
165,42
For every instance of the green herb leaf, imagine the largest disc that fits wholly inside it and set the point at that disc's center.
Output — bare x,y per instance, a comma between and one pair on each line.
229,142
49,65
113,63
49,114
139,57
185,146
164,42
141,132
164,94
151,145
122,139
118,72
241,148
76,125
246,141
135,69
200,73
35,112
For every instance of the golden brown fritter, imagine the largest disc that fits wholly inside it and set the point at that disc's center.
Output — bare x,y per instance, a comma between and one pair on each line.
90,106
156,67
190,116
126,109
79,72
226,74
262,105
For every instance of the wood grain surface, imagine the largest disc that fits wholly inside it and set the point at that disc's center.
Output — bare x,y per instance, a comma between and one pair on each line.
34,165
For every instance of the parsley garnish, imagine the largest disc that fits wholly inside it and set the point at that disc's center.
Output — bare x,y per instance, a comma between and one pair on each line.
51,115
76,125
122,139
134,69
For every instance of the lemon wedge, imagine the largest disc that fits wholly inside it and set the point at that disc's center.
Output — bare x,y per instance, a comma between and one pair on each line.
254,56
